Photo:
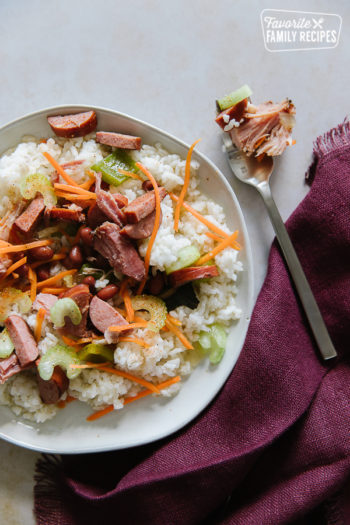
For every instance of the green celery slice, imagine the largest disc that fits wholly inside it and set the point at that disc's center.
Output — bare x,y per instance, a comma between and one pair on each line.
234,97
96,353
62,308
37,182
108,167
185,257
62,356
6,344
218,338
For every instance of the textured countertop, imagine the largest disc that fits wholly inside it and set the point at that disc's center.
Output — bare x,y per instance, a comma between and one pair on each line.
165,62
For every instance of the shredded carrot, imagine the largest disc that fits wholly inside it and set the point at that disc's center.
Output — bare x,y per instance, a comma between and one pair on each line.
184,187
294,142
123,286
59,169
155,226
23,247
87,185
173,320
140,395
212,235
39,322
137,318
56,278
221,246
33,283
64,402
178,334
54,290
75,197
70,342
130,314
15,275
43,141
74,189
4,243
130,174
126,375
131,326
56,257
14,267
200,217
136,340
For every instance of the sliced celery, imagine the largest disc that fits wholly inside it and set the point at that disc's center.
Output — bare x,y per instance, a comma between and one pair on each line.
155,306
205,340
62,356
6,344
185,257
213,342
96,353
62,308
234,97
109,167
10,297
38,183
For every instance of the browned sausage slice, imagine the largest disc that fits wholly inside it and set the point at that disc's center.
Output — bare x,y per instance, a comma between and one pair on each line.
142,229
119,251
76,125
117,140
67,214
44,300
191,273
81,296
103,315
142,206
9,367
27,221
23,340
51,390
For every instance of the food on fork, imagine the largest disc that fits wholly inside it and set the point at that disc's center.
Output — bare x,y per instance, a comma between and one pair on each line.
256,129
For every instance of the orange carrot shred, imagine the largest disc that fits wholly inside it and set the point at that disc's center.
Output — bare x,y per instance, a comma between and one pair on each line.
56,278
122,328
33,283
70,342
173,320
74,189
212,235
178,334
59,169
130,314
56,257
185,186
221,246
137,340
75,197
127,400
155,226
130,174
23,247
54,290
14,267
39,322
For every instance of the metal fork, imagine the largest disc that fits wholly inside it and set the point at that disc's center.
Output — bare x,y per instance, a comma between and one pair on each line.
257,174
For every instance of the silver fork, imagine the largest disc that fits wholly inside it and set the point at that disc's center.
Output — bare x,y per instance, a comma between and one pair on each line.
250,171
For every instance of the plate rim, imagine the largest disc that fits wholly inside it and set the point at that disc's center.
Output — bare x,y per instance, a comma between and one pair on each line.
248,267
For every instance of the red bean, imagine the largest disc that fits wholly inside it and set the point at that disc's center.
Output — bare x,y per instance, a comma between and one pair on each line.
108,292
156,284
67,263
87,236
23,270
76,256
89,280
43,273
42,253
147,185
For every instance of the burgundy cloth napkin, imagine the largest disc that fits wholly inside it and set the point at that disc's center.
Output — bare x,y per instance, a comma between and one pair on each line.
274,446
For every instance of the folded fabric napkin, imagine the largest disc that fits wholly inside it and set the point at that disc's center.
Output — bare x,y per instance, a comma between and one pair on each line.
274,446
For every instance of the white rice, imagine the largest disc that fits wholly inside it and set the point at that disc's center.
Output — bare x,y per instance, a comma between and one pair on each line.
166,357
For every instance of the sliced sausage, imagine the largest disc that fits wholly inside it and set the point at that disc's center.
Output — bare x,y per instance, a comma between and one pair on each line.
27,221
76,125
191,273
51,390
234,112
120,199
81,296
22,338
119,251
9,367
67,214
142,206
103,315
44,300
107,203
142,229
117,140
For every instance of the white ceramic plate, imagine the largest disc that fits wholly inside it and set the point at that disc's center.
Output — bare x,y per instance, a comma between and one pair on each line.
151,418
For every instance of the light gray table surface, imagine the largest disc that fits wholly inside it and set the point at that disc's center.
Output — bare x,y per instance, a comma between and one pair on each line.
165,62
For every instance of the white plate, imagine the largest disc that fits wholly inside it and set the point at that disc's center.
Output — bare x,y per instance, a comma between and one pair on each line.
151,418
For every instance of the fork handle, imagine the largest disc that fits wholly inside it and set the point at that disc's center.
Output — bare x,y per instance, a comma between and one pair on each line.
307,298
